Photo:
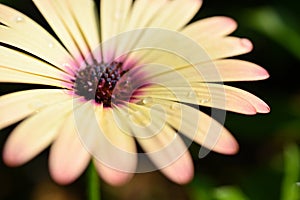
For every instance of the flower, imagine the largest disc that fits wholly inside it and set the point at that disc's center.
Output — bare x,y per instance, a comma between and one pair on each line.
132,76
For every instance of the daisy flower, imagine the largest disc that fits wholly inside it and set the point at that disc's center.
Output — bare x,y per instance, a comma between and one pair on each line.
129,75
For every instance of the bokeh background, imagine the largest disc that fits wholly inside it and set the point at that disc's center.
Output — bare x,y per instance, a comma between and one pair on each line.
267,166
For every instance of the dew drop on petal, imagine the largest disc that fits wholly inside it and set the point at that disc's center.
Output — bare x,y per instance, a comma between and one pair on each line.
19,19
147,100
51,45
191,94
203,101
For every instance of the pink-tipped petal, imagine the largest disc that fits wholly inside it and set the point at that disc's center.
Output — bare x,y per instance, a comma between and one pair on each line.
35,134
226,47
68,158
205,94
161,143
112,176
257,103
209,28
181,171
18,105
197,126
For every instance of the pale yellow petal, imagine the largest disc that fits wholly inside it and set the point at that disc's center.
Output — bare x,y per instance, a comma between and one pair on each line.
226,47
114,14
210,28
238,70
68,157
18,105
85,13
89,120
13,76
52,12
161,143
26,34
222,71
13,59
113,17
141,18
173,15
113,11
211,95
197,126
183,52
108,122
35,134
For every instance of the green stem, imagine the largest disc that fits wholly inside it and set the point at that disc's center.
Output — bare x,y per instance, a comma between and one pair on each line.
93,183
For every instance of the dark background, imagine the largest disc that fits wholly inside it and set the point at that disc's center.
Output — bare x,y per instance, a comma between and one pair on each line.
268,162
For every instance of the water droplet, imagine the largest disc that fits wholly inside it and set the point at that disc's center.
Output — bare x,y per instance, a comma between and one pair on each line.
203,101
50,45
191,94
147,100
19,19
66,65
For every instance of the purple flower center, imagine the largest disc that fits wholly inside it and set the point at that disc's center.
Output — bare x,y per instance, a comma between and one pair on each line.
97,82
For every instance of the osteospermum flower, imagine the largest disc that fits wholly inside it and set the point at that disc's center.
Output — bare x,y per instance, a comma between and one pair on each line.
130,75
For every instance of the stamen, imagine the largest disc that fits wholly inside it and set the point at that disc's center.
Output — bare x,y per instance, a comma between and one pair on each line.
97,82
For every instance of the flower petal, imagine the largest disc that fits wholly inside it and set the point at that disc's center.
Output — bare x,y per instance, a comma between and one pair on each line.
167,18
211,95
223,71
194,124
259,105
161,143
92,127
181,171
108,122
210,28
139,18
226,47
13,76
13,59
114,15
85,13
68,157
112,176
35,134
199,127
18,105
60,19
26,34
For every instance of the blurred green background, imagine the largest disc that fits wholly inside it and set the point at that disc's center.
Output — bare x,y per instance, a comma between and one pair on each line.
267,166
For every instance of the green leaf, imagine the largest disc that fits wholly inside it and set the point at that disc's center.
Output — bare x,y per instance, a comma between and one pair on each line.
229,193
268,21
290,189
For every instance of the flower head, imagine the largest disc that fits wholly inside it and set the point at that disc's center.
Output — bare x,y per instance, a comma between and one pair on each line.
132,75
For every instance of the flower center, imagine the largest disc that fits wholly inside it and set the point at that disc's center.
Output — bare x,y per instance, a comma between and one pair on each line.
97,82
